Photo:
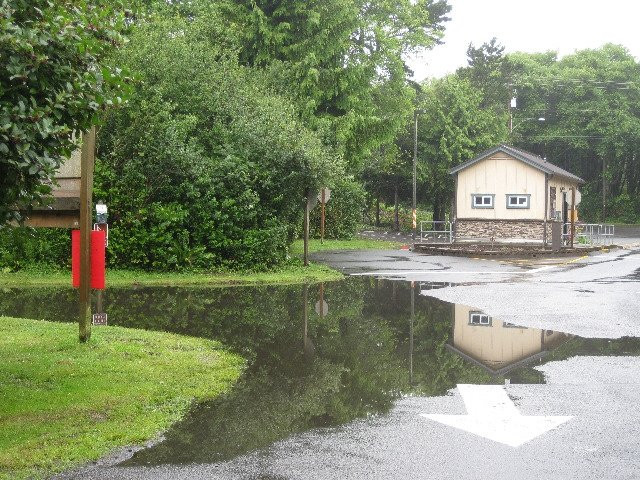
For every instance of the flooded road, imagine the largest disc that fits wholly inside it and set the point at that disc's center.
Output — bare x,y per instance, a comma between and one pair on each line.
320,357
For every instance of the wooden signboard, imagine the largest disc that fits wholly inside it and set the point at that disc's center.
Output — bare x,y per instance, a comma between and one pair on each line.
64,209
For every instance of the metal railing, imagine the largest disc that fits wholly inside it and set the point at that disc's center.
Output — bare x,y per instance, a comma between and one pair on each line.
436,231
589,234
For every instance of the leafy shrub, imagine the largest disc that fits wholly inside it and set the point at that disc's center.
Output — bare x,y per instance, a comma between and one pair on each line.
205,167
343,211
22,247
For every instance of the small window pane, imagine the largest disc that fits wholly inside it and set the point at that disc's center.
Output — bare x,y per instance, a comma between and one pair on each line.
487,200
513,200
522,200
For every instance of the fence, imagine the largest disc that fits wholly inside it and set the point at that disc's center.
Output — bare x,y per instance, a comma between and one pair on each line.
589,233
436,231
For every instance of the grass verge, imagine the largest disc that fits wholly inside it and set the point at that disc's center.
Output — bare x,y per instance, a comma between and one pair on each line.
63,403
354,244
288,274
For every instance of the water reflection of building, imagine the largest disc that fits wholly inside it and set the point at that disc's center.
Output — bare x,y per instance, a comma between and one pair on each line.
498,346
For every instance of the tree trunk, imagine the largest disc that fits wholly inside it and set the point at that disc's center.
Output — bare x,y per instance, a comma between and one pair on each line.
395,209
436,211
378,211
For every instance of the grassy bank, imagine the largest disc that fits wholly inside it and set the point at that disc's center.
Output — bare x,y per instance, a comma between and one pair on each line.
289,274
354,244
63,403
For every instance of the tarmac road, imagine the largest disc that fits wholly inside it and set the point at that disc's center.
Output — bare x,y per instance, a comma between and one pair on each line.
592,296
601,441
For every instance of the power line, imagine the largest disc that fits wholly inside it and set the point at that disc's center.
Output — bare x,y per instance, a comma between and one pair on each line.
547,137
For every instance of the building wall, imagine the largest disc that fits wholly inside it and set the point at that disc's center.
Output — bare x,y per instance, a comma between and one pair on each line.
500,175
530,230
560,183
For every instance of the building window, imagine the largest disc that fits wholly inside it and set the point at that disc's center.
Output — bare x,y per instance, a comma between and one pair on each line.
479,318
518,201
481,201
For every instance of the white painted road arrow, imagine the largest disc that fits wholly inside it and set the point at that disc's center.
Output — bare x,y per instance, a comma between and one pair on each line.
492,414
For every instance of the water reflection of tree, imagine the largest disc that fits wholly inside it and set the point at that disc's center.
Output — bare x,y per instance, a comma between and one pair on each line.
358,365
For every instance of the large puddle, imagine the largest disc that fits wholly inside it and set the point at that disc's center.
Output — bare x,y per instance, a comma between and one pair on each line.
319,355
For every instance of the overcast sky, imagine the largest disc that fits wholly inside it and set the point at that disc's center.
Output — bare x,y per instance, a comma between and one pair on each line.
531,26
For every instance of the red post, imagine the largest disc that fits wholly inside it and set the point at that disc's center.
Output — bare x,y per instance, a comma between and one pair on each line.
98,262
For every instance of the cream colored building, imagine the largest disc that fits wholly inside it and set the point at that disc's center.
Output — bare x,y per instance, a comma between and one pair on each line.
498,346
509,194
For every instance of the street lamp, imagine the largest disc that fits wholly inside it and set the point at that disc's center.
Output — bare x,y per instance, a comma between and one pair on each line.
539,119
414,215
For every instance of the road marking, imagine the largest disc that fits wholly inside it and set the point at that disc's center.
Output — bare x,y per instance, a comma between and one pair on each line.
492,414
541,269
422,272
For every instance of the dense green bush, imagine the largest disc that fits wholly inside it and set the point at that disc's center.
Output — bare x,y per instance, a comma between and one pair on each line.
205,167
22,247
343,211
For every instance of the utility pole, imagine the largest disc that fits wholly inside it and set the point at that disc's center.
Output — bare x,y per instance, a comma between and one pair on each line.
414,214
573,214
87,160
604,190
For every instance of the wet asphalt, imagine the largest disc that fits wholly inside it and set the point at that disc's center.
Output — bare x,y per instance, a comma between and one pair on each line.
596,295
592,295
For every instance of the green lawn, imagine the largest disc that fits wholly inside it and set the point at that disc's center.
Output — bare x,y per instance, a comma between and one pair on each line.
63,403
354,244
289,274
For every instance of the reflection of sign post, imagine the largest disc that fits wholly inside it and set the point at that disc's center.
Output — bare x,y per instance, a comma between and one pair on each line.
323,198
322,308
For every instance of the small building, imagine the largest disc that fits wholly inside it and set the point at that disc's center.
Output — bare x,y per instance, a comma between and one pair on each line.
508,194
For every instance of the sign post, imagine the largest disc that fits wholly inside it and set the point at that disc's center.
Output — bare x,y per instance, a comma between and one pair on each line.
323,197
305,234
87,160
322,201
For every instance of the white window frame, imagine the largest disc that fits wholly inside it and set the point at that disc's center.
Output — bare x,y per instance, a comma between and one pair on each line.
483,196
526,200
479,319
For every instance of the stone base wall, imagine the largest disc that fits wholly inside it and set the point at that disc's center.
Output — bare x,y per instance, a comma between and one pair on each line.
532,230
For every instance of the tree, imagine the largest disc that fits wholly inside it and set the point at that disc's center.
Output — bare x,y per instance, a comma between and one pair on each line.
591,103
453,128
336,57
53,82
205,166
488,71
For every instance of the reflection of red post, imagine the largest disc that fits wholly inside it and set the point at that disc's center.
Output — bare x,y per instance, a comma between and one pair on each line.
97,270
